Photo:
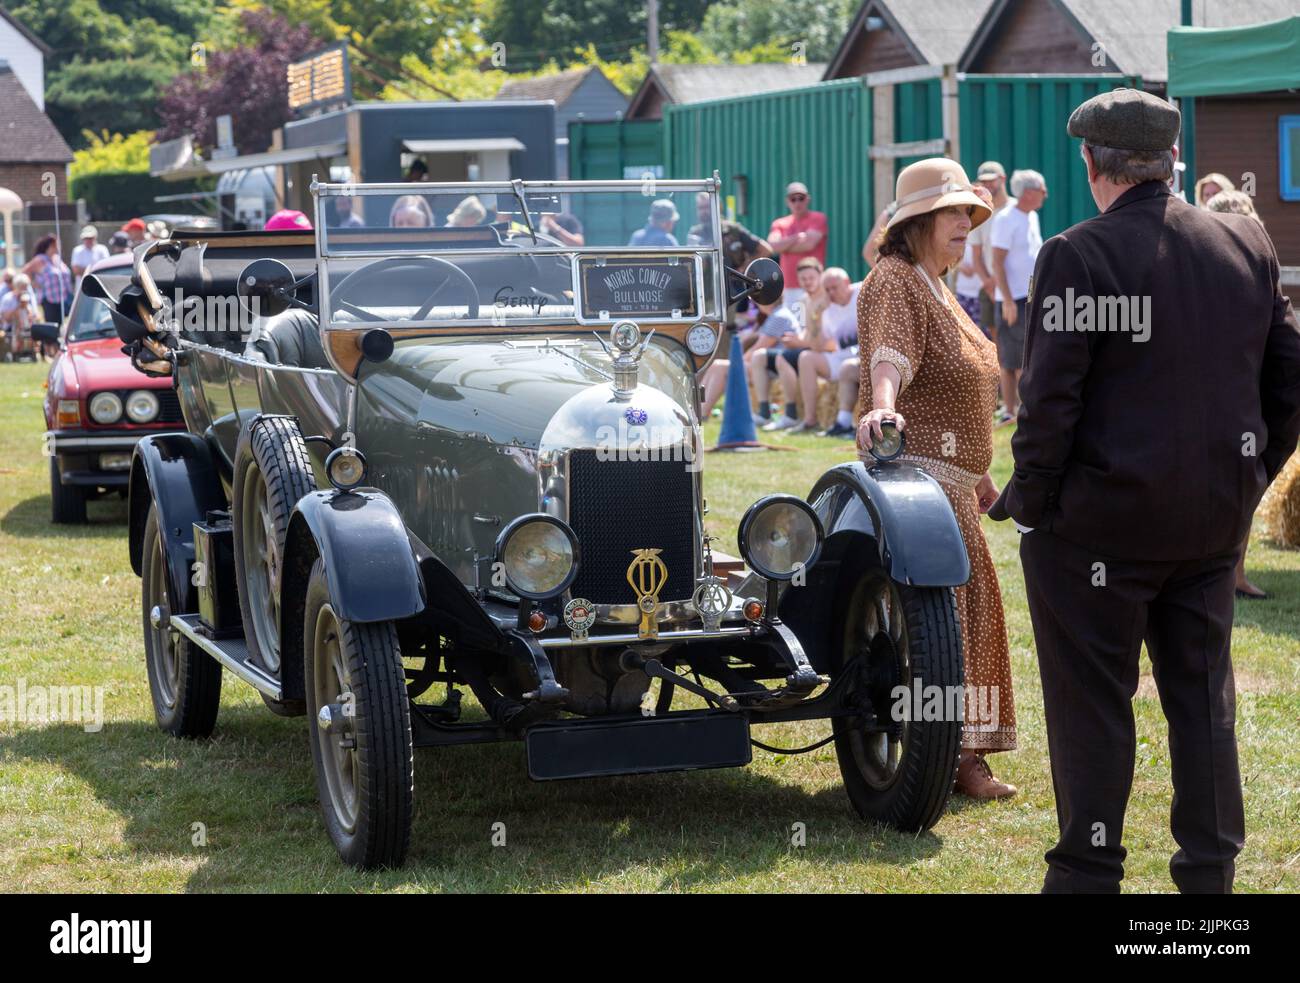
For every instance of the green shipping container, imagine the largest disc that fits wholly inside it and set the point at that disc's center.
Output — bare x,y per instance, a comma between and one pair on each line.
615,150
918,115
819,135
1020,120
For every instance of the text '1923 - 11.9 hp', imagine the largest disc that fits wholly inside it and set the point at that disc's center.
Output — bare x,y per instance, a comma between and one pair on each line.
433,447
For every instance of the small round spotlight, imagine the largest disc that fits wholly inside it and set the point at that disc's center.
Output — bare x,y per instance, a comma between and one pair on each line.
345,467
890,444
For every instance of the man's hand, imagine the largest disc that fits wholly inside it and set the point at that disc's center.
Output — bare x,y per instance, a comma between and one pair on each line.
986,492
1009,311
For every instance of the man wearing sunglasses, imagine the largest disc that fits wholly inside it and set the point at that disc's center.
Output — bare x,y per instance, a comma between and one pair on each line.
795,236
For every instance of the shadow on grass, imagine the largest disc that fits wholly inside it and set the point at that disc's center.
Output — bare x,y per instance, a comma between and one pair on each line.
30,518
253,788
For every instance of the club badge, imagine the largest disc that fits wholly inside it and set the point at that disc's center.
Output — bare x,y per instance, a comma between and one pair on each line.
712,599
646,575
579,615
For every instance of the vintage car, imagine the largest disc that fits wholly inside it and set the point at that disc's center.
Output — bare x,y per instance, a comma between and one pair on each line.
97,404
451,450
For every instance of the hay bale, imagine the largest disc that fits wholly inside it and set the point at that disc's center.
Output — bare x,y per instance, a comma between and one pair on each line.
1280,508
828,401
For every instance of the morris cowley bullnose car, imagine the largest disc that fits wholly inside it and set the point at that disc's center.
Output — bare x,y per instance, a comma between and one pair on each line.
449,441
97,404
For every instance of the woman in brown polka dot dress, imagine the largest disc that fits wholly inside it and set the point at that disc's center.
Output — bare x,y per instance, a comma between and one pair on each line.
930,370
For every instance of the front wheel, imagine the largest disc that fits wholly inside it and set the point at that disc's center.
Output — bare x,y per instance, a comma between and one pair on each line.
901,771
272,472
360,727
184,681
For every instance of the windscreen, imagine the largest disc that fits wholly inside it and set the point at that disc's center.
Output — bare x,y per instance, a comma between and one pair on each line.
427,255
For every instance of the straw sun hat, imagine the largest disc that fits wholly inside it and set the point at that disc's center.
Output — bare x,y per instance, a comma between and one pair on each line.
935,183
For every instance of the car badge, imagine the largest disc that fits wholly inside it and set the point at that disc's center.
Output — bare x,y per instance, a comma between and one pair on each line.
579,615
634,416
646,575
712,601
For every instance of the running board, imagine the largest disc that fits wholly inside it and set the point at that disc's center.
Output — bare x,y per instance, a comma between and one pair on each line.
230,652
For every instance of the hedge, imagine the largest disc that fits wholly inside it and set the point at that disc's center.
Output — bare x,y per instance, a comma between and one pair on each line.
112,197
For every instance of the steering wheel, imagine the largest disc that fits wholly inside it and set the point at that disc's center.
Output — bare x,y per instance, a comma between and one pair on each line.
448,271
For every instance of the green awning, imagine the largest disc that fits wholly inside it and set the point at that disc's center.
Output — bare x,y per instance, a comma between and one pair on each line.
1232,61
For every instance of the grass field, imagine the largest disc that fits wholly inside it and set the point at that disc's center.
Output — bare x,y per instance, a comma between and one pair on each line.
116,810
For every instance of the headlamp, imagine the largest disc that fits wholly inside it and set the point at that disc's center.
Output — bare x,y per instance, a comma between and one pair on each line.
779,536
539,555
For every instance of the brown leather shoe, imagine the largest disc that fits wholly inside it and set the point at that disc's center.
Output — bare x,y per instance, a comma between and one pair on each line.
975,778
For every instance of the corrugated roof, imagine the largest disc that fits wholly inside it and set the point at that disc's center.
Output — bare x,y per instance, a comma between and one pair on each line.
696,83
26,133
559,86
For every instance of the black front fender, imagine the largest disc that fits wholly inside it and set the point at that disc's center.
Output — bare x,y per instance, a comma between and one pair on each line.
360,537
904,511
175,473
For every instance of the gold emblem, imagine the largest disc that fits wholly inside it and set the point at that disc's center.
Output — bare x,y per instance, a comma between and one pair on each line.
646,575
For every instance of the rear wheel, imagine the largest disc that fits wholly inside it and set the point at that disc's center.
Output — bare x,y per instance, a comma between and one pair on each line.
184,681
272,472
67,502
907,636
360,728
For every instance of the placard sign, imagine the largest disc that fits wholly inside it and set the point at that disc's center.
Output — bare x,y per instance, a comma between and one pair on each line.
653,286
321,81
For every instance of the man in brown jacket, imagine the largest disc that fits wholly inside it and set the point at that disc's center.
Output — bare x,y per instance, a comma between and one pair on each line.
1160,395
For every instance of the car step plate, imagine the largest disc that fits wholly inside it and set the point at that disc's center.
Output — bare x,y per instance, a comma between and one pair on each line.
679,742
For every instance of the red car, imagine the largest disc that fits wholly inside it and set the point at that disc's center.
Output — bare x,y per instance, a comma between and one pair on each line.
98,405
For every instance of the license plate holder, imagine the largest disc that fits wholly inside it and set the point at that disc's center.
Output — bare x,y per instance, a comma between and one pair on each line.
684,741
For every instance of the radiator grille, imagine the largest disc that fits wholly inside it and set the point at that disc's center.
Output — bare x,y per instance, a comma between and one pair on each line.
620,506
169,406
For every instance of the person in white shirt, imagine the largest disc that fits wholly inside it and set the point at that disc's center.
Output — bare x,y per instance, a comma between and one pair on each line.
993,178
1016,239
88,253
839,344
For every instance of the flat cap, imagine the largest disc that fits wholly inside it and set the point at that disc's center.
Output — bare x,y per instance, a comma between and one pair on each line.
1126,119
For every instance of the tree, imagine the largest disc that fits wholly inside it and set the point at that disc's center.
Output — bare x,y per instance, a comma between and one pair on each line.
383,35
123,93
112,153
769,28
111,57
535,33
247,81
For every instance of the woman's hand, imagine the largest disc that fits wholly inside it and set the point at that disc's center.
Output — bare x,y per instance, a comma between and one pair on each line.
986,492
1009,311
869,426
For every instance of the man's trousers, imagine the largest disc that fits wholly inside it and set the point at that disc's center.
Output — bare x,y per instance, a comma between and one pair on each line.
1091,614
